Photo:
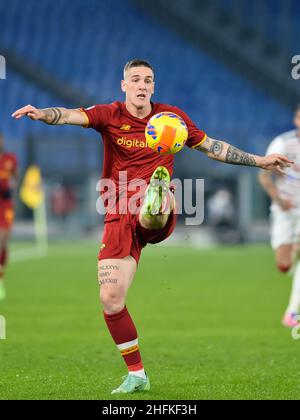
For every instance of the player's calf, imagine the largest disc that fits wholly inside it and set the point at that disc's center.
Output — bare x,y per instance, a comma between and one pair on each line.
3,262
115,278
2,287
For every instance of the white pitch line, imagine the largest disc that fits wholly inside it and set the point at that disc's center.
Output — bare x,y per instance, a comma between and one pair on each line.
27,254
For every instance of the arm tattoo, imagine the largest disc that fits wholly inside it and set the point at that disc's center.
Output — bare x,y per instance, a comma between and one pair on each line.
238,157
224,152
53,116
56,116
216,148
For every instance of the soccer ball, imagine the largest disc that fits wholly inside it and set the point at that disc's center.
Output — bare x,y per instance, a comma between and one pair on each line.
166,133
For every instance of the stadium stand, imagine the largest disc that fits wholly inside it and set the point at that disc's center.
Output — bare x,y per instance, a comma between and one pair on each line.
85,45
277,20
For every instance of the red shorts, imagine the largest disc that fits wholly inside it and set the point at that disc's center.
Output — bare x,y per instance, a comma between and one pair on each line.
124,236
7,215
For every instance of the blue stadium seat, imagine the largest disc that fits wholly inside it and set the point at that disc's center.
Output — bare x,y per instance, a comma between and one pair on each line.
86,44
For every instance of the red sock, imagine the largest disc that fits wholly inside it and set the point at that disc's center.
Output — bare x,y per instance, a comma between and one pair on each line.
283,268
124,334
3,257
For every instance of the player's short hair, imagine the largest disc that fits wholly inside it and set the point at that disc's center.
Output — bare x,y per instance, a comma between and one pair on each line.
137,63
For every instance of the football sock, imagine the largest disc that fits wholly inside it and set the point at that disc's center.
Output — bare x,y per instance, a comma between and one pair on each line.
124,334
3,261
294,304
140,373
3,256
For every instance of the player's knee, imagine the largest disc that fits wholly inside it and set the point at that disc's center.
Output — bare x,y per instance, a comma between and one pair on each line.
111,301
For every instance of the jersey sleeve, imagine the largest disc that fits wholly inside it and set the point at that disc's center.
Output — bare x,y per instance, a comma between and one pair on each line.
196,136
97,116
276,146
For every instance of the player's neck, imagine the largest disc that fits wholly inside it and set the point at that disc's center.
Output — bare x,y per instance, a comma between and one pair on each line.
139,112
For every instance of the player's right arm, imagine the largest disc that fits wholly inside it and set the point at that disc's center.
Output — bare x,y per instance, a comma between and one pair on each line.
266,181
227,153
53,116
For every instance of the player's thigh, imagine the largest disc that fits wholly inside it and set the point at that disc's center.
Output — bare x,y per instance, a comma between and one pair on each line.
116,275
283,238
283,231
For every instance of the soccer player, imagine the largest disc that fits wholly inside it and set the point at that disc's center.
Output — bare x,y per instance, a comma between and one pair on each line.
122,126
284,191
8,177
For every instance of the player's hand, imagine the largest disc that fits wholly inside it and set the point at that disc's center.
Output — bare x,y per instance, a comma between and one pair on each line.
28,111
276,163
285,204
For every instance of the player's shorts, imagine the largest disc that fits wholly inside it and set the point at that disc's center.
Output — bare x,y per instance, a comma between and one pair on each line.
7,215
285,228
124,236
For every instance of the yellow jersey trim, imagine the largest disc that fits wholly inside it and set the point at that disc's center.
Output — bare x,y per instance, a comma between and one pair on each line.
202,141
87,124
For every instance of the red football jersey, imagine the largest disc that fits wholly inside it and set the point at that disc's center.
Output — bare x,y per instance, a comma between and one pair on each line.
8,167
125,147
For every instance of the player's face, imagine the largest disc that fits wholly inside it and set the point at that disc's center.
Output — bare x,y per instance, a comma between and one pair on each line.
138,86
297,120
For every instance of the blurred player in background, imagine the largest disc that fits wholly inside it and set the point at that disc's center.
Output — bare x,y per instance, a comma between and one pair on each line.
284,191
122,126
8,180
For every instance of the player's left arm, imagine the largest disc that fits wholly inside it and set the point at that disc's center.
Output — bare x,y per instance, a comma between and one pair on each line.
225,152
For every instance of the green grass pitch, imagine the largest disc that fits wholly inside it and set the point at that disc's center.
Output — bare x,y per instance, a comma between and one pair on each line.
208,322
